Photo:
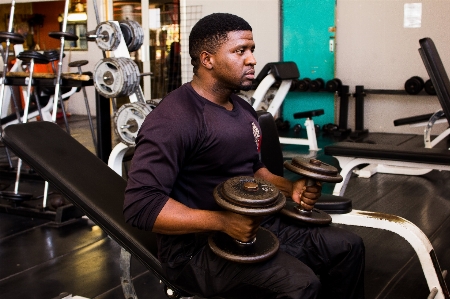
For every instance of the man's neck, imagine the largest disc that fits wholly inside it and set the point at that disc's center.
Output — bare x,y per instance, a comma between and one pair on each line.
209,91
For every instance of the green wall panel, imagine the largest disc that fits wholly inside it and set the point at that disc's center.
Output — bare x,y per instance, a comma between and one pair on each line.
306,38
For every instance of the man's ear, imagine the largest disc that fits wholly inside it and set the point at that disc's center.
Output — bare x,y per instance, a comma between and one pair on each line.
207,60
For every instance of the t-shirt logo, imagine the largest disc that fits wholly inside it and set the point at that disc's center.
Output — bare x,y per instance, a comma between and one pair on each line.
257,135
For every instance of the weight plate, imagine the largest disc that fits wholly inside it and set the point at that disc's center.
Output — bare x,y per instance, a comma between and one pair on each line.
108,36
127,33
293,210
109,77
314,169
414,85
128,119
133,73
134,32
66,35
128,80
249,196
265,246
14,38
11,195
429,87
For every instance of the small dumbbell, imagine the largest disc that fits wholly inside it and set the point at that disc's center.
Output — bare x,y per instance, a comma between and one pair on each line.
252,197
297,128
414,85
316,85
303,84
333,85
429,87
313,170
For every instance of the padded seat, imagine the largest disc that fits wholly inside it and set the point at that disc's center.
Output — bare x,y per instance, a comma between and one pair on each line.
389,152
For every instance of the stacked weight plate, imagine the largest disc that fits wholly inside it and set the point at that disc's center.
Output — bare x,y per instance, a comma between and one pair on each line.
116,77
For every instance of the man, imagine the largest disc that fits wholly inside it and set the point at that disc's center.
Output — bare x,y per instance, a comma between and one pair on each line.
202,134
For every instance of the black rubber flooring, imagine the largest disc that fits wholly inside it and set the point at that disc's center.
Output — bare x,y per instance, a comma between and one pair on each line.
39,258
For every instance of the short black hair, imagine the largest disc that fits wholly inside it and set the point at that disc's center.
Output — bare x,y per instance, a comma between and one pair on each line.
211,32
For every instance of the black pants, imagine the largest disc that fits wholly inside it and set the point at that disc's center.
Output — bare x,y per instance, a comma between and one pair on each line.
313,262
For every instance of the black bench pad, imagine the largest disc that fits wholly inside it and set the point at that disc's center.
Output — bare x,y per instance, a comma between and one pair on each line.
439,156
86,181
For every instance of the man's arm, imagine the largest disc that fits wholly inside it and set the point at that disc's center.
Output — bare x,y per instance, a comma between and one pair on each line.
175,218
306,196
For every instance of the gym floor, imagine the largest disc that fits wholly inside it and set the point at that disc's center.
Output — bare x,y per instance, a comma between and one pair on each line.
40,259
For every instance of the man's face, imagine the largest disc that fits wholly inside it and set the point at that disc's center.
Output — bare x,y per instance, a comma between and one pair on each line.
234,61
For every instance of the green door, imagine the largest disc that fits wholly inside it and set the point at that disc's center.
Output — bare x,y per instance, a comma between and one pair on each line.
308,40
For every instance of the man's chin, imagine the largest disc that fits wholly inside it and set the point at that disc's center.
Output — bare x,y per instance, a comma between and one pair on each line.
245,87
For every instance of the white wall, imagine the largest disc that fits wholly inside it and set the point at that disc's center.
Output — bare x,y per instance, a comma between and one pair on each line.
375,50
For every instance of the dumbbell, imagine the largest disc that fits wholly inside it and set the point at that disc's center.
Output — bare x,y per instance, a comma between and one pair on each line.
316,85
429,87
303,84
414,85
252,197
282,125
330,128
333,85
313,170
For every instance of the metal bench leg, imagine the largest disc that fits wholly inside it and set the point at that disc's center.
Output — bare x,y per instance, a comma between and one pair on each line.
412,234
125,279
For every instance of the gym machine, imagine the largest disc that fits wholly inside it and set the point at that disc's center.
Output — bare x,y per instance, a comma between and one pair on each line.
53,207
286,73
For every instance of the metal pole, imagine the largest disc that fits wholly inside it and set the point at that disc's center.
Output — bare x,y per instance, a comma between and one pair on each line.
60,62
5,58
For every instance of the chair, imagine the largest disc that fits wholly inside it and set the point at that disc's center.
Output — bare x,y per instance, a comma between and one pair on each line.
403,158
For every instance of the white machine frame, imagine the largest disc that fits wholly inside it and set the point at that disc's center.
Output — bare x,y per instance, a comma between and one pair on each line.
275,105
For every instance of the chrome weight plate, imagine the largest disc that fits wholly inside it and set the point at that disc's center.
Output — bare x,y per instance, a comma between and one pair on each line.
108,36
109,78
134,34
128,119
116,77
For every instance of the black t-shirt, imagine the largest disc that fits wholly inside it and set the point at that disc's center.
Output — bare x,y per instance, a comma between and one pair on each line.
186,146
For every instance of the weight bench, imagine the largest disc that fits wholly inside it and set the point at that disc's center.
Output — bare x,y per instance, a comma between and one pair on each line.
340,209
403,158
90,185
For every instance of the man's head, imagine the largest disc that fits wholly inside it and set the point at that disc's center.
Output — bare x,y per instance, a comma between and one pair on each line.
211,32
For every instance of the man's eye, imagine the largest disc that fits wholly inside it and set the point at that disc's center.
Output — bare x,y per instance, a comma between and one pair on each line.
240,51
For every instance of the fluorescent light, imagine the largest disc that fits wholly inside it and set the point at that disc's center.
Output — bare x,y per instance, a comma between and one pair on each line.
77,17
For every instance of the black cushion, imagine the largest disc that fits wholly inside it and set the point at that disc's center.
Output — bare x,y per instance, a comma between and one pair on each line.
389,152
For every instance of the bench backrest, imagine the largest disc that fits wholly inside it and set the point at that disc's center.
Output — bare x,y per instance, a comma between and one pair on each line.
86,181
437,73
